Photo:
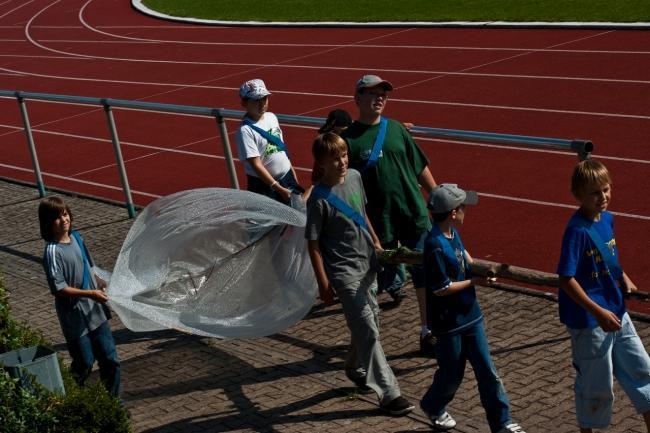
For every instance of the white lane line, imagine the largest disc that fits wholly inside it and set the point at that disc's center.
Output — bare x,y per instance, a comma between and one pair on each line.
530,149
136,41
34,42
345,97
483,194
500,60
16,8
178,150
336,68
562,205
419,138
84,182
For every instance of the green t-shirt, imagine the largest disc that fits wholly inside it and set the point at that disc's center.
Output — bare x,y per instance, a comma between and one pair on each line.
395,207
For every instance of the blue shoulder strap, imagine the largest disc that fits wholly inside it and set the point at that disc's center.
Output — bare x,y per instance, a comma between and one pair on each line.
86,279
268,136
449,251
326,193
379,144
608,257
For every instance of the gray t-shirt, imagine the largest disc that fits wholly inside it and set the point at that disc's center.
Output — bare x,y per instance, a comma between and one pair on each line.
63,264
347,249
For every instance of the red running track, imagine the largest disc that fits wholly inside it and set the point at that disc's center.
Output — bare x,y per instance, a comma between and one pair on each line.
588,84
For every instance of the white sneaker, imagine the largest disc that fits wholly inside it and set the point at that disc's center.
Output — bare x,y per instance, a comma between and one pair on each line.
512,428
443,422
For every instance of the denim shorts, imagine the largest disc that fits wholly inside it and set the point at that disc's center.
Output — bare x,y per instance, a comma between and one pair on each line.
598,357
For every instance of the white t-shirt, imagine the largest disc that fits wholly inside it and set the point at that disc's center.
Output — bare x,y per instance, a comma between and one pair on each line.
251,144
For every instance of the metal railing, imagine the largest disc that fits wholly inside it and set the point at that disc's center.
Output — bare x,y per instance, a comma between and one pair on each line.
582,147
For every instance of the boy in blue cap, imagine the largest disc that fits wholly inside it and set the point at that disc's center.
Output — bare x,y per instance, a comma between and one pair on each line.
604,342
455,316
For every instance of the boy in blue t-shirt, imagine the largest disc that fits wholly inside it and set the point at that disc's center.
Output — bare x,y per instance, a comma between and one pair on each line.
455,317
604,342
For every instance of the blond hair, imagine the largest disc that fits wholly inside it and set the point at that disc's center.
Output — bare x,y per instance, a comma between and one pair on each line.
328,144
587,173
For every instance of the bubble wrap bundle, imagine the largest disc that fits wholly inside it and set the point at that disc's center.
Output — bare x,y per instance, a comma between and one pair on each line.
216,262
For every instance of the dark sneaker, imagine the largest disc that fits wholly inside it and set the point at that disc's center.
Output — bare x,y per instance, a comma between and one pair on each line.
397,406
428,345
360,382
364,389
398,295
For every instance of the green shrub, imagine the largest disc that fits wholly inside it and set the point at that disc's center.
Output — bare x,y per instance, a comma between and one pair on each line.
87,409
22,410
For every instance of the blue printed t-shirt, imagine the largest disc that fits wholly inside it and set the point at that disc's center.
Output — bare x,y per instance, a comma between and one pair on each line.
581,260
444,264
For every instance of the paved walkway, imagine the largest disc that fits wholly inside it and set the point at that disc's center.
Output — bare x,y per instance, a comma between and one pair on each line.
293,382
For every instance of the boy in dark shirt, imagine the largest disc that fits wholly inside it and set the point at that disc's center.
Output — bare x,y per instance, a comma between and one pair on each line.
455,316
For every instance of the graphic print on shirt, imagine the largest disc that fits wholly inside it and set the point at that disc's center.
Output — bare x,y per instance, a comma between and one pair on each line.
355,201
272,148
598,259
460,258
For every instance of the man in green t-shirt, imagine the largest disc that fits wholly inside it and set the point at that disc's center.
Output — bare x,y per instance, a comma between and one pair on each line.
392,182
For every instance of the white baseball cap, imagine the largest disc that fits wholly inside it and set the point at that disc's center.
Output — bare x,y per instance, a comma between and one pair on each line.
253,89
447,197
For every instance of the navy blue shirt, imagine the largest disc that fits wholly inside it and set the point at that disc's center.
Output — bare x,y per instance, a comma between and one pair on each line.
581,260
444,263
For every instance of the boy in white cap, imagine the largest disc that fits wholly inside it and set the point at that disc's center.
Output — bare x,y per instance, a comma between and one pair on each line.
455,316
260,144
392,167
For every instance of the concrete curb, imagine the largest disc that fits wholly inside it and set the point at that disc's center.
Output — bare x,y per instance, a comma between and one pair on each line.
139,6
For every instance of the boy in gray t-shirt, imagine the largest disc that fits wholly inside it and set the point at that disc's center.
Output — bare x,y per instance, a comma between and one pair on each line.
341,244
79,296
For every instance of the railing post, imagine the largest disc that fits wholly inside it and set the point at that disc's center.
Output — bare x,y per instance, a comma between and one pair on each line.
230,164
30,143
118,158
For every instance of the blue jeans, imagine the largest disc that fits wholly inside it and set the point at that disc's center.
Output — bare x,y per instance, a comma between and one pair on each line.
393,277
598,357
96,344
453,352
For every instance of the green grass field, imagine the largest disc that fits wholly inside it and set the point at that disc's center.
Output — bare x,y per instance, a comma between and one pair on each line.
408,10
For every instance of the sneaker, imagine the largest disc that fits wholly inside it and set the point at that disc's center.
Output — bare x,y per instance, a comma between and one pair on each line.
360,382
397,406
428,345
512,428
443,422
398,295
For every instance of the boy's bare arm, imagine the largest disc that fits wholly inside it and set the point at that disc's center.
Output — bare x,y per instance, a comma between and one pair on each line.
605,318
263,173
425,178
628,285
373,235
458,286
73,292
324,289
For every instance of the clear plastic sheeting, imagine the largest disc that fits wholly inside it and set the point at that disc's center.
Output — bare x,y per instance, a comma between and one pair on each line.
217,262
